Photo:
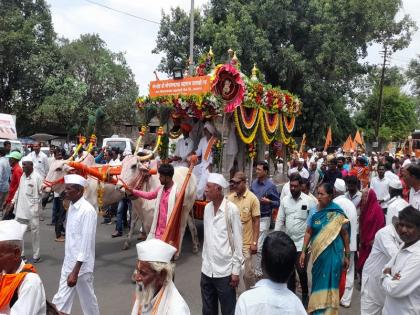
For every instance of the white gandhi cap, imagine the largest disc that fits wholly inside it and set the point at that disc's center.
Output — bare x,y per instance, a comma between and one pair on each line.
11,230
218,179
155,250
75,179
396,184
340,185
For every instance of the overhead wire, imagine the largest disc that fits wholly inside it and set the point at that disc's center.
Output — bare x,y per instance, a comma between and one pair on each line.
122,12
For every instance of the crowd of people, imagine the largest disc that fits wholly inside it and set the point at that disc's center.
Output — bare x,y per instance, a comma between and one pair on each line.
341,220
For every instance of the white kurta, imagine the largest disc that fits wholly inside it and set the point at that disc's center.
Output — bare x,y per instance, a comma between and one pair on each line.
28,196
79,246
219,259
381,189
40,162
415,198
385,245
31,296
395,205
268,297
403,295
351,213
80,236
183,148
172,303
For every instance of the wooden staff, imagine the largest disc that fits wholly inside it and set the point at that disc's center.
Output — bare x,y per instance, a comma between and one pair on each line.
171,234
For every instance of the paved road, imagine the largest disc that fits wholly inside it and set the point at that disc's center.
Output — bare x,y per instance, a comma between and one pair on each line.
113,269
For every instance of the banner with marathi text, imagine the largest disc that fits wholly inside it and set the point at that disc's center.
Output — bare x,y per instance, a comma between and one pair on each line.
186,86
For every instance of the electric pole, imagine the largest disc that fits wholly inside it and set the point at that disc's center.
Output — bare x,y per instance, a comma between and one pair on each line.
381,92
191,67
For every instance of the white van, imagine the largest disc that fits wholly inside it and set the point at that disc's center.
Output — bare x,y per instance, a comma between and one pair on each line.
122,143
16,144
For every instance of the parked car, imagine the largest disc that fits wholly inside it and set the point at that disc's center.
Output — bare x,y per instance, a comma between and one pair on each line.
16,144
119,142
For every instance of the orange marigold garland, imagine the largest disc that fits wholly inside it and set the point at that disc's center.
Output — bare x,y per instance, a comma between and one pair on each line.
289,123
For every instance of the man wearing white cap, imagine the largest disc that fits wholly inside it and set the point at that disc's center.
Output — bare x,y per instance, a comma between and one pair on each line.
27,202
204,153
303,172
21,289
351,213
222,249
155,291
397,202
79,252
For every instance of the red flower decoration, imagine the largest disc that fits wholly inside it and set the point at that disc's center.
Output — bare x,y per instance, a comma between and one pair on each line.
230,86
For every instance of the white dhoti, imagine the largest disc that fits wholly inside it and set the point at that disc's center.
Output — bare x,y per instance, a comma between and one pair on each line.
63,299
202,173
372,297
348,291
33,224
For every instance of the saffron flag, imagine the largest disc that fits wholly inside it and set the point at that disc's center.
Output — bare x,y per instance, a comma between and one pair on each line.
358,138
348,145
328,139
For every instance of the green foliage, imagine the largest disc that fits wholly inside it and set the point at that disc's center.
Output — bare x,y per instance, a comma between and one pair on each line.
27,56
57,85
311,48
398,117
91,83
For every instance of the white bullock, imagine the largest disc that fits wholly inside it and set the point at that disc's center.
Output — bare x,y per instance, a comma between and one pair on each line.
54,182
136,176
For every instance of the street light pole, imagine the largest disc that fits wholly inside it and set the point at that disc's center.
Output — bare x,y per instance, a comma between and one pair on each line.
381,92
191,61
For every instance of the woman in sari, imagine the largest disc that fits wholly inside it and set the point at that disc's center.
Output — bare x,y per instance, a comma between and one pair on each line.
371,220
329,236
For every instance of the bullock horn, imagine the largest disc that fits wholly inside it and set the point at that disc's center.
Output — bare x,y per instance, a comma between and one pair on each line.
82,141
142,131
158,142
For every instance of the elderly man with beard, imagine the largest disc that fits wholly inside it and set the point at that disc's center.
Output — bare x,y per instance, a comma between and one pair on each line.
155,291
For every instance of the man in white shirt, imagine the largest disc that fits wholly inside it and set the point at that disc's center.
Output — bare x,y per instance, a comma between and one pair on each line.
351,213
380,185
303,172
222,249
271,295
40,160
184,147
401,276
292,216
27,202
155,291
411,176
386,244
397,202
18,298
79,252
353,193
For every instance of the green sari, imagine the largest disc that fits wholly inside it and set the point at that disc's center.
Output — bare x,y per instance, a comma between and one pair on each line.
327,256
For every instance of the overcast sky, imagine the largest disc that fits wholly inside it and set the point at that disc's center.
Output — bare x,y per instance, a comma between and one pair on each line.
137,37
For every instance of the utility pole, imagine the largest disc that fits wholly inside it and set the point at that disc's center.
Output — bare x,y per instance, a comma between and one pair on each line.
381,92
191,67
